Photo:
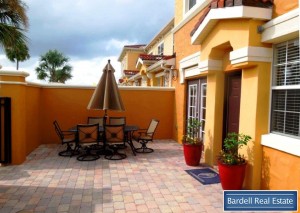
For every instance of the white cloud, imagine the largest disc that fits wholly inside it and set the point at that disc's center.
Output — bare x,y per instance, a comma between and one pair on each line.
90,32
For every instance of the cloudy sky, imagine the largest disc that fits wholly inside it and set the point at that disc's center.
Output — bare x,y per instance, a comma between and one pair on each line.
89,32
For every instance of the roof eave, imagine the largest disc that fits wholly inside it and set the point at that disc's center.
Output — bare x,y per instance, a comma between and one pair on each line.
236,12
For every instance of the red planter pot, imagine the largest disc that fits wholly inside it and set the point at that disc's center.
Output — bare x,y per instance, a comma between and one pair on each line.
192,153
232,176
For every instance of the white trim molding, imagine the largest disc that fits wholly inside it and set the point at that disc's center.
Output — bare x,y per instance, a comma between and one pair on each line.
191,14
189,61
14,73
283,143
210,65
191,71
282,28
236,12
251,53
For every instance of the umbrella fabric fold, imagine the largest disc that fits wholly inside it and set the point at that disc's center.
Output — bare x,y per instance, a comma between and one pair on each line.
106,95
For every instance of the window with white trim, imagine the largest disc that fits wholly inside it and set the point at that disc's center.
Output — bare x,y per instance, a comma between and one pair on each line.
189,4
160,49
285,111
192,3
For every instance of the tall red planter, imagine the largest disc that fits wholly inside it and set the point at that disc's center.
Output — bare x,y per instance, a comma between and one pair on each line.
192,153
232,176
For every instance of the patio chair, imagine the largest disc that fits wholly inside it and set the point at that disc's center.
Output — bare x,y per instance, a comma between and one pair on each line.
114,136
88,137
66,137
143,136
100,121
117,120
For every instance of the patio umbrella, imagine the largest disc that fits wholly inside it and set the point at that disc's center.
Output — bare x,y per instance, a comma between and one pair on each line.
106,95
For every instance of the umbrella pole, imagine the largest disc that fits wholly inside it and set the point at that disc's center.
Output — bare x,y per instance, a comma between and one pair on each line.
105,117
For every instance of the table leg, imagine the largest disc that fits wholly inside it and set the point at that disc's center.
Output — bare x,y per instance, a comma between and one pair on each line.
129,140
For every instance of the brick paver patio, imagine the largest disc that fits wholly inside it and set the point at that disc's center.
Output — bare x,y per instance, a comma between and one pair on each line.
155,182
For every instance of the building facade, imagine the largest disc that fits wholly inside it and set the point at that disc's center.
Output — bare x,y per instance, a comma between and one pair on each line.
154,63
238,64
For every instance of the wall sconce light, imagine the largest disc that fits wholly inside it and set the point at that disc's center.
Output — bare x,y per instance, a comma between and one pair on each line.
173,73
170,73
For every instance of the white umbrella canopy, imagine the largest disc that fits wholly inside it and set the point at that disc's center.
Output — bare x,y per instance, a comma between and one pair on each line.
106,95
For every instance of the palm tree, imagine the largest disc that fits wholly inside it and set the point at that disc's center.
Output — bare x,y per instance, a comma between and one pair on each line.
13,22
18,52
53,66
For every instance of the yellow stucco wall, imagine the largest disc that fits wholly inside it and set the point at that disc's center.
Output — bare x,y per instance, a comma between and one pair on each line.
178,16
167,39
132,59
224,38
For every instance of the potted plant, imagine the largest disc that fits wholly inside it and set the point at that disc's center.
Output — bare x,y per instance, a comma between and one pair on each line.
192,143
232,165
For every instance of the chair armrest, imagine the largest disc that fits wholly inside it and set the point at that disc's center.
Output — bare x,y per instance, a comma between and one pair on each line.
138,133
68,132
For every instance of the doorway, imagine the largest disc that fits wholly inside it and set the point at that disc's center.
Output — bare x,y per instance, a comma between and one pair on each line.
196,101
232,103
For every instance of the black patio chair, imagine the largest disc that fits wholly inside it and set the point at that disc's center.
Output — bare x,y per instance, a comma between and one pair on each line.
114,137
95,120
143,136
88,137
68,138
100,121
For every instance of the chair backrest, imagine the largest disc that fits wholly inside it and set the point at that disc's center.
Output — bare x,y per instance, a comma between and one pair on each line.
88,133
117,120
152,127
58,130
114,134
96,120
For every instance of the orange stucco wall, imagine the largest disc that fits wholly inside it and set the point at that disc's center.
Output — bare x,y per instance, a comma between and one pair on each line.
280,171
182,48
69,107
281,7
35,107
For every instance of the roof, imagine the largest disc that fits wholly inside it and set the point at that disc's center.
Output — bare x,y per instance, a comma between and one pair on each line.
231,3
155,57
130,72
134,47
151,59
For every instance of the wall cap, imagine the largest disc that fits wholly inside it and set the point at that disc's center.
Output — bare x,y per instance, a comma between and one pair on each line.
281,142
14,73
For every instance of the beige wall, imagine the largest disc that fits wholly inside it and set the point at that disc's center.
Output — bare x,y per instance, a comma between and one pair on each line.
132,59
167,39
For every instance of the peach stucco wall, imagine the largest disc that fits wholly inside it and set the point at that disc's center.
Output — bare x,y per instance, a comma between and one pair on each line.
35,107
282,6
280,171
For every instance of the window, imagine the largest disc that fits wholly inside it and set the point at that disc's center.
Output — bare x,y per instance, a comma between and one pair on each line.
189,4
192,3
285,112
160,49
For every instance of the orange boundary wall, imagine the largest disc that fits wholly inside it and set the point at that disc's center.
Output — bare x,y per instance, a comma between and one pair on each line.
35,107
